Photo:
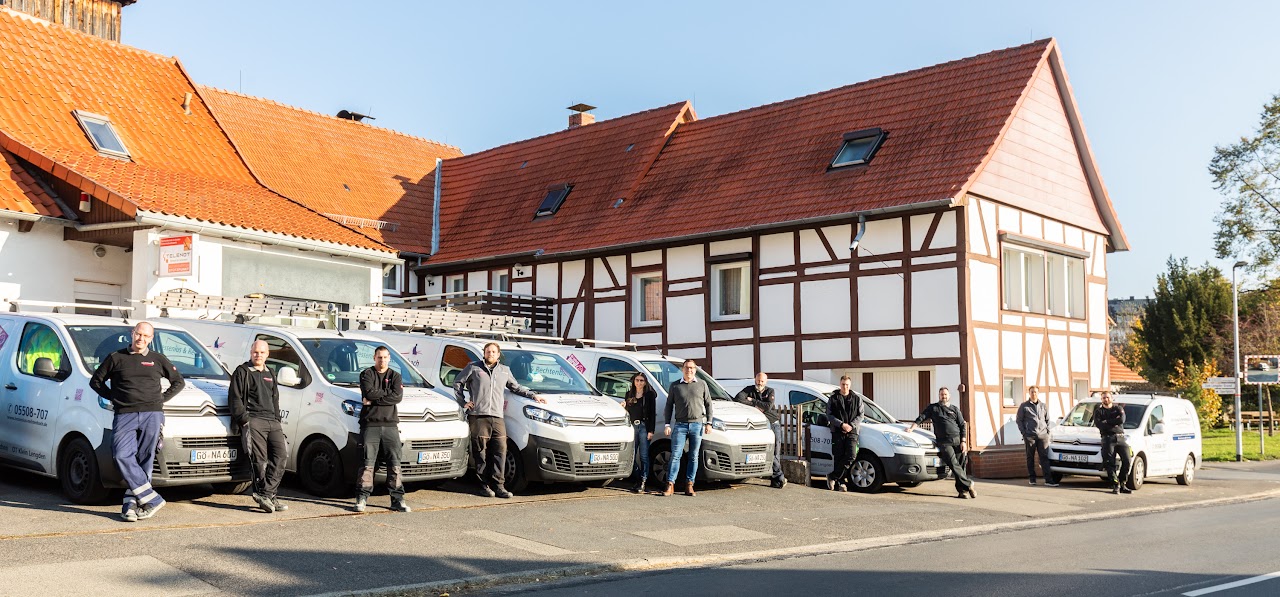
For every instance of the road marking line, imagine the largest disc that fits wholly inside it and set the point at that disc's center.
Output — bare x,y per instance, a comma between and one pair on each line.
1232,585
703,535
541,549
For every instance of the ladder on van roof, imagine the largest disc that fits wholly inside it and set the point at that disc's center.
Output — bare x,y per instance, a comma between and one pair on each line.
16,305
454,321
242,307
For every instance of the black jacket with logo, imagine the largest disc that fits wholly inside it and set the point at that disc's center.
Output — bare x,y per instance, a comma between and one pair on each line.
843,409
253,394
761,400
1109,421
948,424
135,381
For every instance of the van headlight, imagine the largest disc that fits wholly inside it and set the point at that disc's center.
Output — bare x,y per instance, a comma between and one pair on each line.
717,424
543,415
901,441
105,404
352,407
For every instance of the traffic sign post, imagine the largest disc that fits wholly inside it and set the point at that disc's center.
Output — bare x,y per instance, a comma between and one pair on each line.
1224,386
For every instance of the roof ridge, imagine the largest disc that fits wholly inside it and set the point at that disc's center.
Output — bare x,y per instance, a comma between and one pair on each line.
323,115
4,9
882,80
593,126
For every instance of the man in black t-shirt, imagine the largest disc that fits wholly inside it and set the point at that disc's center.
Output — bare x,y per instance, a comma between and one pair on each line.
254,398
130,379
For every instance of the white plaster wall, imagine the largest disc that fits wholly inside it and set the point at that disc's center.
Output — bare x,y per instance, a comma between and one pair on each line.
778,357
1012,344
833,349
986,346
880,300
925,346
934,298
547,282
571,283
881,348
733,361
645,258
685,319
777,309
39,265
729,247
882,237
919,230
478,280
824,306
984,291
685,262
777,250
610,321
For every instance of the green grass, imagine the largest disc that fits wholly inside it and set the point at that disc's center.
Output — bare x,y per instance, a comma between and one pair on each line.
1220,445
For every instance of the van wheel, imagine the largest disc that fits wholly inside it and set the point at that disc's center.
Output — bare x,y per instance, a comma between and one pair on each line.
868,473
232,488
515,477
1139,473
1188,471
320,469
660,464
79,474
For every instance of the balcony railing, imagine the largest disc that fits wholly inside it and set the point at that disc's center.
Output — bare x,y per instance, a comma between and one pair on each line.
539,309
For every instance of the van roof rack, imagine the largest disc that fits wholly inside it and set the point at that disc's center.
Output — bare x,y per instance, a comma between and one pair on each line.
587,342
243,307
15,306
434,319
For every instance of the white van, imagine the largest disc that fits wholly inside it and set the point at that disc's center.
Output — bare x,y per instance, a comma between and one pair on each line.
55,425
737,445
319,375
578,435
1163,434
887,453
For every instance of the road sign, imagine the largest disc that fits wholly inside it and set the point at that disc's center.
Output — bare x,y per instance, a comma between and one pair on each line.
1221,385
1262,368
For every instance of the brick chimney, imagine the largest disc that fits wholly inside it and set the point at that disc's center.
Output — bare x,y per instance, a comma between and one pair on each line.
95,17
580,117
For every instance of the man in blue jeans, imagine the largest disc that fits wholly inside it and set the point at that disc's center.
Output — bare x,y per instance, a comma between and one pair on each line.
689,406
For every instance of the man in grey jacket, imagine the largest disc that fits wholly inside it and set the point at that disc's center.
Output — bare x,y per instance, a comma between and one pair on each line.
486,381
689,408
1033,423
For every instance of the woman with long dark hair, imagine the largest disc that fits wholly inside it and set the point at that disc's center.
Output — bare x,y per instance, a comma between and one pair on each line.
640,402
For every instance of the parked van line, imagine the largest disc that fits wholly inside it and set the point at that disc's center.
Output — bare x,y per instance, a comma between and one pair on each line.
887,453
736,445
1163,433
318,372
578,435
55,425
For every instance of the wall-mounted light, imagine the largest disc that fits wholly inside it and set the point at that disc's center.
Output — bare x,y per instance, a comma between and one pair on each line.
99,251
519,270
85,204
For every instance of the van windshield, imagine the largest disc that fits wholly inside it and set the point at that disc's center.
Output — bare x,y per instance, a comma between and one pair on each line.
1082,415
95,342
872,412
545,373
667,372
341,360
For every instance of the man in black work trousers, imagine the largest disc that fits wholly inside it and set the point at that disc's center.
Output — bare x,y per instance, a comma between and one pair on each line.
1109,419
844,416
949,428
380,392
254,398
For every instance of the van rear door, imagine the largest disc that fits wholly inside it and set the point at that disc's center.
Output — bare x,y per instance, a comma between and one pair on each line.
33,395
1158,458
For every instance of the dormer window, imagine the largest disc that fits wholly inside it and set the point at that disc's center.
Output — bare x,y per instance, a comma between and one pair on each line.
555,198
858,147
102,134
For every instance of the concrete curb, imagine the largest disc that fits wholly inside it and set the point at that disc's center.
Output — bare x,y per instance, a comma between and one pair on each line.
568,575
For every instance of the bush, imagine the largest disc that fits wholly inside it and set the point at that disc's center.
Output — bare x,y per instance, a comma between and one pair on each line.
1188,380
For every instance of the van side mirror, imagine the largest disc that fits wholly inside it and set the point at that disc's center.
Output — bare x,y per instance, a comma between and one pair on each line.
288,377
44,368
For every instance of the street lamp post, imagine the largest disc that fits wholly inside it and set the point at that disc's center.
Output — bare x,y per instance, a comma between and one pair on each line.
1235,325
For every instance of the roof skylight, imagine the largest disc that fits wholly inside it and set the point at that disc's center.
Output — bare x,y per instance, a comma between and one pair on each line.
858,147
102,134
554,199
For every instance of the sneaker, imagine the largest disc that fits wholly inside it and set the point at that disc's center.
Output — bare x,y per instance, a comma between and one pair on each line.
148,510
503,493
1115,489
1032,482
782,482
486,491
1124,489
639,486
360,503
842,488
1050,484
831,483
279,505
264,502
129,514
400,506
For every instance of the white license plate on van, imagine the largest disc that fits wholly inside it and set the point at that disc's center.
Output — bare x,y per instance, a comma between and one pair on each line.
437,456
207,456
756,458
1072,458
603,458
935,462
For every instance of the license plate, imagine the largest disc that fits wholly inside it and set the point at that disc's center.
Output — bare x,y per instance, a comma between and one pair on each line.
1072,458
935,462
220,455
755,458
603,458
437,456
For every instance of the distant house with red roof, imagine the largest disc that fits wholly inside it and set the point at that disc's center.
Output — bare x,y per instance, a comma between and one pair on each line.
944,227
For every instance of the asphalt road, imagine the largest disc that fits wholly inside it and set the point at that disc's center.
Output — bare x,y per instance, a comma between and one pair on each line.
214,544
1172,553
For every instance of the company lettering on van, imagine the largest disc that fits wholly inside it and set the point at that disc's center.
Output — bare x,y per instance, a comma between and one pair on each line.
553,371
4,336
573,360
26,414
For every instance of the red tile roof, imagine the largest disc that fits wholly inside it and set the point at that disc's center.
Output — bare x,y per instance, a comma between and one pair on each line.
489,198
755,168
337,166
182,164
1122,374
20,192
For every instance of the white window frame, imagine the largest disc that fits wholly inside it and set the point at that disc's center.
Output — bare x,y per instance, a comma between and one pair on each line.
637,299
84,118
744,292
495,280
1042,282
1015,394
451,281
396,273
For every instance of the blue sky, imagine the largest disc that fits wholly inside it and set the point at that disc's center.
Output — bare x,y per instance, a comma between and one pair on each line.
1158,84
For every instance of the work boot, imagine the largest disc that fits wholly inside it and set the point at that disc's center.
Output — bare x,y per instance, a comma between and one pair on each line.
502,493
972,494
688,490
148,510
486,491
1115,489
831,483
360,503
671,488
279,505
780,482
639,486
400,506
1124,489
264,502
